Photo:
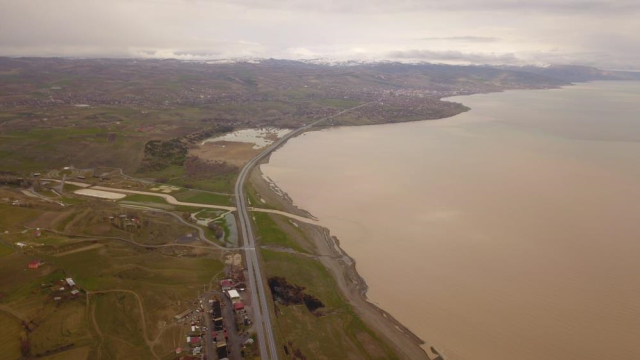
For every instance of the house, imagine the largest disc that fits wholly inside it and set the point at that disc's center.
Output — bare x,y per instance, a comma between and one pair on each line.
221,349
233,295
75,293
34,264
70,282
238,306
226,284
182,315
216,310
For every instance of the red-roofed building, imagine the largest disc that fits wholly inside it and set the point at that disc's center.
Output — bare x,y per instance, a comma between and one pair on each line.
226,284
239,306
35,264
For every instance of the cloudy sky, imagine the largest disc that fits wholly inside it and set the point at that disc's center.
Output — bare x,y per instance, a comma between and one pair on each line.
603,33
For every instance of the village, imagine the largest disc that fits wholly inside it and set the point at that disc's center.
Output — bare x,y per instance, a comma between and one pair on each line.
218,325
212,323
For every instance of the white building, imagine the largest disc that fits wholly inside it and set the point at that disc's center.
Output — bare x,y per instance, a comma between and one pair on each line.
233,295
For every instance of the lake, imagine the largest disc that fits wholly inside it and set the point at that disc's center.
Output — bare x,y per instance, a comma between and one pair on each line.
511,232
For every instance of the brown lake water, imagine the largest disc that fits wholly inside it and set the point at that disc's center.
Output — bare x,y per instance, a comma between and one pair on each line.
510,232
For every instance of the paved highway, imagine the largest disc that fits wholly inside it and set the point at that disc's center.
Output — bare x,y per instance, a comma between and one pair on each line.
262,319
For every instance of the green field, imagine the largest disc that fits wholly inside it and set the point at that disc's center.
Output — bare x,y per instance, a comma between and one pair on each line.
71,188
10,330
11,217
42,148
348,336
220,183
200,197
119,319
253,198
271,234
5,250
64,324
163,279
170,172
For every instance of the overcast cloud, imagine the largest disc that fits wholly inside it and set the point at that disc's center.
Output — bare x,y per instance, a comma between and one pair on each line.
603,33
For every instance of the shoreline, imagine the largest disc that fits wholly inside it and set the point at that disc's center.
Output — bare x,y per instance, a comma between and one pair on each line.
406,344
352,285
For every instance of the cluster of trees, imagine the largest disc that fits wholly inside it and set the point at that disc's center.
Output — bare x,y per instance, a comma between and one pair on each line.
218,231
126,223
196,167
159,154
290,294
296,353
204,134
12,180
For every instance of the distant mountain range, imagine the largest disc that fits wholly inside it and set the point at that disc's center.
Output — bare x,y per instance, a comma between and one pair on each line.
575,73
567,73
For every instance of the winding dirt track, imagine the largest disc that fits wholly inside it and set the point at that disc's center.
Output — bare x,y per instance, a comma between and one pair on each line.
149,343
170,199
96,327
146,246
13,313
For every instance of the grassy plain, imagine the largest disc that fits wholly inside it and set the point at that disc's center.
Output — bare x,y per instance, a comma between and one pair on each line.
220,183
271,234
5,250
10,330
200,197
338,325
118,317
116,274
11,217
254,199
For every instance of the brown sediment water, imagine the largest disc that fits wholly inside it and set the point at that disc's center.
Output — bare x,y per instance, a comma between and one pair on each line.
508,232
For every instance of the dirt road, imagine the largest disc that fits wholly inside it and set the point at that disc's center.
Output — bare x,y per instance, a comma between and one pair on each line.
148,341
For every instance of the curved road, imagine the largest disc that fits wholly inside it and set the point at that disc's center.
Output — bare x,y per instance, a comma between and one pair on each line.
262,321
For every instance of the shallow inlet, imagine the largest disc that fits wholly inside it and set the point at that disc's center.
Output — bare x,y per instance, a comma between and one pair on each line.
260,138
511,230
